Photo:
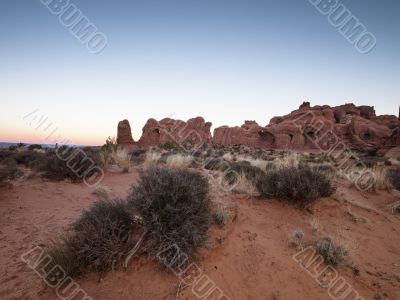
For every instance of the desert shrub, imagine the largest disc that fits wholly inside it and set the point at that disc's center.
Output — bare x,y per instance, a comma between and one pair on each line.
21,145
216,164
12,147
9,170
300,185
394,178
34,146
62,253
222,216
169,145
31,159
98,241
175,207
138,156
56,168
121,158
102,235
179,161
334,255
396,207
6,154
255,162
296,239
251,173
373,179
242,184
110,145
152,158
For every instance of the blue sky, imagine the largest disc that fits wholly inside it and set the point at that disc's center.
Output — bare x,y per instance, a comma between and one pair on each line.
228,61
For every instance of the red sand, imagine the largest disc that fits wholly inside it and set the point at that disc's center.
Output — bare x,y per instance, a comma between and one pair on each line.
248,259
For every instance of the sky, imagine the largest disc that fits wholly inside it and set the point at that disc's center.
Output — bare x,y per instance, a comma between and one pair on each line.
225,60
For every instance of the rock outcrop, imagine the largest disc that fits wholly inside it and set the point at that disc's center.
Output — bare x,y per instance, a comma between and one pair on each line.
192,133
124,133
317,127
307,128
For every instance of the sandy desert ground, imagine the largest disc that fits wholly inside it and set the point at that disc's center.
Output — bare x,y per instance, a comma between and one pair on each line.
248,259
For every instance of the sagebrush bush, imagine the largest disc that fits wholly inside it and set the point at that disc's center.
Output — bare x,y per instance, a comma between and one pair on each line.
9,170
57,169
175,207
100,238
334,255
122,159
394,178
179,161
300,184
102,235
30,159
216,164
251,173
152,158
62,253
34,146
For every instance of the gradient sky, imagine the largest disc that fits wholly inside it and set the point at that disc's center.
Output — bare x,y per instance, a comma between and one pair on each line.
225,60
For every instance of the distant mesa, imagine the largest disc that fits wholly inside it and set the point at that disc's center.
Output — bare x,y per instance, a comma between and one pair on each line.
307,128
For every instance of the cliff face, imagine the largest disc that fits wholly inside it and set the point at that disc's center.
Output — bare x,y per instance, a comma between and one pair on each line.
317,127
192,133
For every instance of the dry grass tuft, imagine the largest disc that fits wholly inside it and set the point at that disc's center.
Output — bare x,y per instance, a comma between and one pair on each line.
314,223
296,239
222,216
122,159
334,255
179,161
243,185
152,158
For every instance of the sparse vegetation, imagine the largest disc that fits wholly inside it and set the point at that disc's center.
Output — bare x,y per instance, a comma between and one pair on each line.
121,158
175,207
179,161
9,170
314,224
169,145
334,255
221,216
152,158
102,235
394,178
34,146
296,240
243,185
62,253
396,207
300,185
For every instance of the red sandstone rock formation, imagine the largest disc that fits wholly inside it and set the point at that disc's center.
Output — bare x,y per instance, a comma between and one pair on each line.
124,134
194,132
317,127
